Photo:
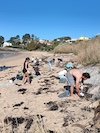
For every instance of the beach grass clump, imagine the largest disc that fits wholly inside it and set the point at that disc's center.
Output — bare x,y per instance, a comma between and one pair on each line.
64,48
87,52
90,55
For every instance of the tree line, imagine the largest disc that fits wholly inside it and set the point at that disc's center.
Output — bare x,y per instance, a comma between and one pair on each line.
31,42
16,39
28,42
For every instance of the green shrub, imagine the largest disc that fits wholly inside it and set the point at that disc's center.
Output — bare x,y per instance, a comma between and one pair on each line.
32,46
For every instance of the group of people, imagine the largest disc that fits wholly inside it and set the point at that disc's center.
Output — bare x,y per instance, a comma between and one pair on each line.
74,77
25,69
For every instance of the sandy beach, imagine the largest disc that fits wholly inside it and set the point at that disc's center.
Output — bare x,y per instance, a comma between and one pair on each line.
38,103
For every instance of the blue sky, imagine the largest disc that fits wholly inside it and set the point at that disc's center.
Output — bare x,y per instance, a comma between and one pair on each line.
49,19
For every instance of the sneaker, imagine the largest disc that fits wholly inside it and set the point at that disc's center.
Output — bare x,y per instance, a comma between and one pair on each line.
81,94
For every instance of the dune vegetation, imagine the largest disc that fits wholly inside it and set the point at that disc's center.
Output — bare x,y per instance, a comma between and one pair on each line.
87,52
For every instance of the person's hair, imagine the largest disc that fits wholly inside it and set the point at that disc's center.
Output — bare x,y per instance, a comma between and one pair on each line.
27,59
65,69
53,59
86,75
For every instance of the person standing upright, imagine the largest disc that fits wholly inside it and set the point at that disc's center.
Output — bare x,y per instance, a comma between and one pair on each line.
50,63
25,70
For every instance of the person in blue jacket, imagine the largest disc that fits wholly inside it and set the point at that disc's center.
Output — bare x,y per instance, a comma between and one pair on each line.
50,63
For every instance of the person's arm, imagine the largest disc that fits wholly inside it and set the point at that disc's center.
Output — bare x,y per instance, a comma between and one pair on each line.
26,66
77,85
82,82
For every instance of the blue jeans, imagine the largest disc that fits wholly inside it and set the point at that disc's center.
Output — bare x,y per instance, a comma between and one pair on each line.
50,66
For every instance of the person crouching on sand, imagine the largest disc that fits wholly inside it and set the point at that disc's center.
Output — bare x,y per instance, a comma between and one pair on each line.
25,70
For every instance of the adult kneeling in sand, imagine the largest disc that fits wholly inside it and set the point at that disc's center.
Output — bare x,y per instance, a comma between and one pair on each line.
25,70
74,76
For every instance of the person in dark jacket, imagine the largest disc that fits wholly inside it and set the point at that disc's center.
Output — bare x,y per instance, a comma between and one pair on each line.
36,69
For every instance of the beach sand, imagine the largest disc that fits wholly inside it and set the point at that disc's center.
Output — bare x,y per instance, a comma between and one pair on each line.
40,99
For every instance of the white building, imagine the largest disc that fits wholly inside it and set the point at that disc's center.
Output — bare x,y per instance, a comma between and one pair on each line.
83,38
7,44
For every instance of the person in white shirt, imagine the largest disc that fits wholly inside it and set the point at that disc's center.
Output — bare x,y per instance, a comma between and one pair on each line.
62,76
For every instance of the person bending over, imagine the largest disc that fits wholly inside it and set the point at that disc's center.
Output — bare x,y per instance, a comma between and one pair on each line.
74,77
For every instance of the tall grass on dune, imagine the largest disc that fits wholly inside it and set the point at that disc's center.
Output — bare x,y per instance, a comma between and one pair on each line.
88,52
